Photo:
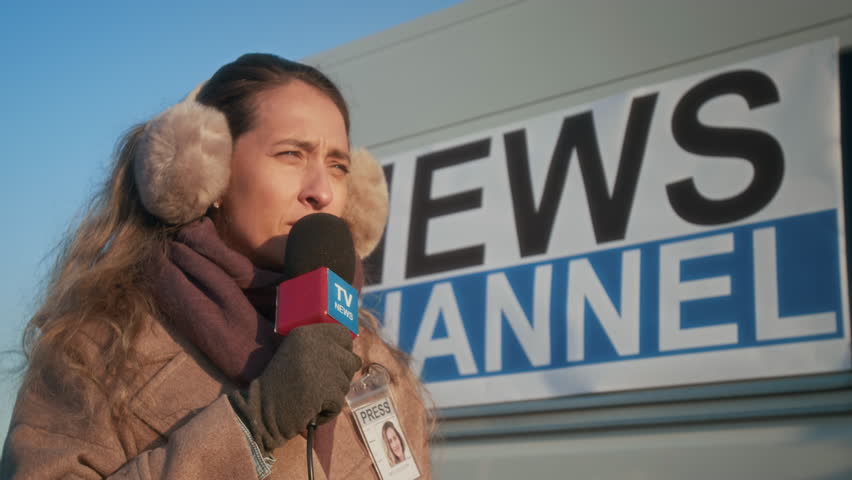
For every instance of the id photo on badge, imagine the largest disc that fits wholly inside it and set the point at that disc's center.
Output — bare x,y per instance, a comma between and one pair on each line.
395,449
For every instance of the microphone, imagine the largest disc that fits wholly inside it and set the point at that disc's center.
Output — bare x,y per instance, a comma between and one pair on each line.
320,266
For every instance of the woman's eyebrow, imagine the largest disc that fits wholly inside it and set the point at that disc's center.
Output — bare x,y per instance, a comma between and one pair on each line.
340,154
303,144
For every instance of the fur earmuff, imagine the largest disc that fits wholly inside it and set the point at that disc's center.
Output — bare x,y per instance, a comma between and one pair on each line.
184,162
366,209
183,165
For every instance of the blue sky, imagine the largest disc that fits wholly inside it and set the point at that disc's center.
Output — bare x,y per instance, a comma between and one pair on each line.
75,75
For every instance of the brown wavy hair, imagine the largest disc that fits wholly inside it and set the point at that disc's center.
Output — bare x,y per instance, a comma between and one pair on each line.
97,281
97,291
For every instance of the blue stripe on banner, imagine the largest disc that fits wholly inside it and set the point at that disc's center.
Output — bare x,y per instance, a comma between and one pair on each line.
710,291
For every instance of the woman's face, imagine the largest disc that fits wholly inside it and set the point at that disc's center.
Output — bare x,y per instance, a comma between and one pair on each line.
294,161
394,442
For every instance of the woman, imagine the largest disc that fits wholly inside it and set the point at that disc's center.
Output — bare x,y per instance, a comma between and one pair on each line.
394,446
153,354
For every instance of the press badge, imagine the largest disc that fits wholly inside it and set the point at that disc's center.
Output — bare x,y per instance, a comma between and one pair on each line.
375,413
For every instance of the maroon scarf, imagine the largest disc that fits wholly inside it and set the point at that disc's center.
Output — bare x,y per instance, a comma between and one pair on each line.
217,299
225,306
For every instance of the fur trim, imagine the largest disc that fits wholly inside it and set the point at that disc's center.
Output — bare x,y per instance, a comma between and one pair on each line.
184,162
367,206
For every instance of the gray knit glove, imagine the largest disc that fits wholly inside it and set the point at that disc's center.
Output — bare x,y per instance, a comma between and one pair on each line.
307,378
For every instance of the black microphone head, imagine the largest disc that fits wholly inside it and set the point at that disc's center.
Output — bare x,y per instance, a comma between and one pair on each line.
320,240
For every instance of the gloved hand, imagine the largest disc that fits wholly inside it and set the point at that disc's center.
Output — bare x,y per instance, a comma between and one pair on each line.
307,378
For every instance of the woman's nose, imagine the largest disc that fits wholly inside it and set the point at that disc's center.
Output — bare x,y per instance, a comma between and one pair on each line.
316,186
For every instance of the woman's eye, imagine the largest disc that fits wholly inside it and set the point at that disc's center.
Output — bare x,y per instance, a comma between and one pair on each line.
289,153
341,167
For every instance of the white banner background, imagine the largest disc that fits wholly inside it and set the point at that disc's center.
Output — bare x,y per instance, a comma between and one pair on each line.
425,312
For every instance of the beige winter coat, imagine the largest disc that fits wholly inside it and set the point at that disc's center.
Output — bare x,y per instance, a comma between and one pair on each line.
182,427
